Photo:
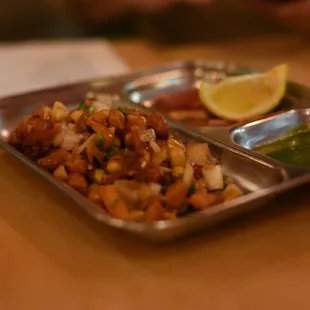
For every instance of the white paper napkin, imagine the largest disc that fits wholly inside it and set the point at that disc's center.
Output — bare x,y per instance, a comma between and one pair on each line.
36,65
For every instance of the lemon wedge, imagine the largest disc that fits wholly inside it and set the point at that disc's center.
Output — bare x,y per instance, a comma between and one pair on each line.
246,96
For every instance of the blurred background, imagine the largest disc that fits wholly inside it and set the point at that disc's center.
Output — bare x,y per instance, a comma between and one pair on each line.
178,24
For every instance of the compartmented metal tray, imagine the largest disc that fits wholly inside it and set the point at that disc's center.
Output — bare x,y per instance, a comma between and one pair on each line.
260,177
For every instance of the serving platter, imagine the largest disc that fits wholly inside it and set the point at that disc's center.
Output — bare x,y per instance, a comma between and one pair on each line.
260,177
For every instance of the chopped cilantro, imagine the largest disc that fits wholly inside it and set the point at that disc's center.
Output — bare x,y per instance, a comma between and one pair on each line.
192,189
91,109
112,151
114,203
90,129
100,141
124,110
82,106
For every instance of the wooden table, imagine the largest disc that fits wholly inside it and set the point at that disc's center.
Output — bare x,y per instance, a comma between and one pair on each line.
54,257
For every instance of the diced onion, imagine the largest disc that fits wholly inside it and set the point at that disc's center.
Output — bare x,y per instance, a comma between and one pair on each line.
59,137
82,147
199,153
71,140
155,147
188,175
154,188
103,103
128,191
172,143
166,169
213,177
147,135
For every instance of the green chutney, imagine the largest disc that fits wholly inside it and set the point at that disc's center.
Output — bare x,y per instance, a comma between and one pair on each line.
293,149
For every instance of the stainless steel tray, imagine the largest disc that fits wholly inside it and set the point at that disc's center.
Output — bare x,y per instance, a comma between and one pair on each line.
260,177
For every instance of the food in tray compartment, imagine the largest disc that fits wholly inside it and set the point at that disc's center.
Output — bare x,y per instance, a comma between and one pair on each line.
234,99
125,160
187,107
291,149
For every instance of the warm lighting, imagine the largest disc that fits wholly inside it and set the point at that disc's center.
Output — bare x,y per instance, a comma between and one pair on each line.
5,133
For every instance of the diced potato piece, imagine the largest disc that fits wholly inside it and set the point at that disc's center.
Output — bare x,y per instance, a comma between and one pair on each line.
99,176
106,135
176,196
117,120
77,165
136,215
60,112
113,165
201,184
203,200
52,161
188,175
133,120
76,115
170,215
78,182
101,116
144,192
177,156
159,124
199,153
113,203
45,112
213,176
177,172
232,191
61,173
154,212
94,193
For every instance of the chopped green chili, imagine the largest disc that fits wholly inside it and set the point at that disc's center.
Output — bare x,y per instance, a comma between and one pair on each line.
82,106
